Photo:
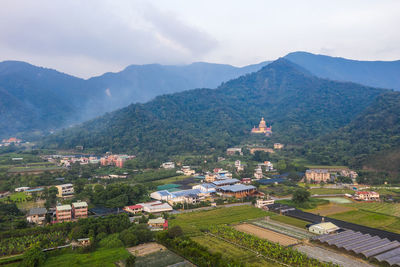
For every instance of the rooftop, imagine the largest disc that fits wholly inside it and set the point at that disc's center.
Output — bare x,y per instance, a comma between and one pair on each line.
64,207
225,181
37,211
81,204
237,188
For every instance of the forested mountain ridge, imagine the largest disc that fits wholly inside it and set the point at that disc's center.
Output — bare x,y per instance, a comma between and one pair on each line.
299,106
35,98
382,74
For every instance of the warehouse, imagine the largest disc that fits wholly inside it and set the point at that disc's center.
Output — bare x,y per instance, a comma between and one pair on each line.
237,190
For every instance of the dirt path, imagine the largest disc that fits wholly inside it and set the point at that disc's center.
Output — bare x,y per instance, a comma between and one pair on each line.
263,233
145,249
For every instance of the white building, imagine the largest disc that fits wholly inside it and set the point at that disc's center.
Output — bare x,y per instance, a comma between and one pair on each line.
168,165
323,228
21,189
155,207
206,187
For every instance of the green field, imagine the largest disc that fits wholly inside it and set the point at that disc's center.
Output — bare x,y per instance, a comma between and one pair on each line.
326,167
101,257
17,197
338,200
289,220
230,251
171,180
192,222
159,259
371,219
328,191
379,207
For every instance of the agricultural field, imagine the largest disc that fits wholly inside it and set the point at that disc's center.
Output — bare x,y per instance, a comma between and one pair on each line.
263,233
329,209
371,219
329,191
161,259
17,197
192,222
101,257
379,207
338,200
289,220
230,251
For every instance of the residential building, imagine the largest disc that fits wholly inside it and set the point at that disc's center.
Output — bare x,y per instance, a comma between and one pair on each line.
80,209
187,171
237,190
134,209
262,128
115,160
246,181
233,150
65,190
238,165
318,176
37,215
278,146
64,213
157,224
366,196
323,228
268,166
258,174
168,165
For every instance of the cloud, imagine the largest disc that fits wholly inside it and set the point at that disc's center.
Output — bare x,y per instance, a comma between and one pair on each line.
99,31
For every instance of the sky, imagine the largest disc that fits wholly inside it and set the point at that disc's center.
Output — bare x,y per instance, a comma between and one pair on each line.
91,37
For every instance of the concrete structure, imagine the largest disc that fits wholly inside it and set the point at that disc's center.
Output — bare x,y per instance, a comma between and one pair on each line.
318,176
323,228
156,207
278,146
168,165
80,209
115,160
65,190
64,213
157,224
366,196
205,187
37,215
134,209
237,190
262,203
21,189
262,128
246,181
233,150
258,174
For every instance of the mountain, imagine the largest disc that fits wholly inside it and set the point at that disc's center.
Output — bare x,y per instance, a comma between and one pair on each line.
369,141
141,83
299,106
38,99
382,74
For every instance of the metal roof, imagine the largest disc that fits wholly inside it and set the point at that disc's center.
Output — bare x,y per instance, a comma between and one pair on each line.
81,204
225,181
63,207
188,192
37,211
237,187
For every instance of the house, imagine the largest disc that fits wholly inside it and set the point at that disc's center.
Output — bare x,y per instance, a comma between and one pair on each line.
238,165
115,160
237,190
187,171
156,207
233,150
83,242
168,165
278,146
225,182
268,166
37,215
323,228
262,203
366,196
157,224
246,181
318,176
65,190
134,209
64,213
80,209
258,174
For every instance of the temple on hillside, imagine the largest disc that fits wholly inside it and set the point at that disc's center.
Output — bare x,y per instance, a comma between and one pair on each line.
262,128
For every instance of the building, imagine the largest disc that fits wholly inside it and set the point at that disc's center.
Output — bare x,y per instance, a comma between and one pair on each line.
278,146
225,182
37,215
237,190
65,190
205,187
238,165
11,140
168,165
155,207
246,181
134,209
258,174
263,149
262,128
323,228
233,150
115,160
262,203
64,213
318,176
366,196
187,171
80,209
157,224
164,195
268,166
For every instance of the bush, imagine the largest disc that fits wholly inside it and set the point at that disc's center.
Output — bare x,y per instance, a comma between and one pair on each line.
33,257
111,241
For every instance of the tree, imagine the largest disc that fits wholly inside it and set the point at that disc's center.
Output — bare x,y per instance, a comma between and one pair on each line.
130,261
175,231
33,257
300,196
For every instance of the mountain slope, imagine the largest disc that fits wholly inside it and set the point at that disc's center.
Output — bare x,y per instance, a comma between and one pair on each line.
300,107
375,131
382,74
35,98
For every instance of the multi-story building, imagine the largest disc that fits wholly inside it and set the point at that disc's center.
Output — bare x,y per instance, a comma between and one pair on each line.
318,175
37,215
366,195
80,209
65,190
64,213
133,209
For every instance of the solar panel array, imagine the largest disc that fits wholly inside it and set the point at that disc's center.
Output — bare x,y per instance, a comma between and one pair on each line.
374,247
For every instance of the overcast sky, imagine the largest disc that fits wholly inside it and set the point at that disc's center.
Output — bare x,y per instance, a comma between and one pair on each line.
90,37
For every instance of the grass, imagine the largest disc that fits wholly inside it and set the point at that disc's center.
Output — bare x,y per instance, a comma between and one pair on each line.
392,209
192,222
230,251
171,180
328,191
100,257
371,219
311,204
158,259
289,220
17,197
